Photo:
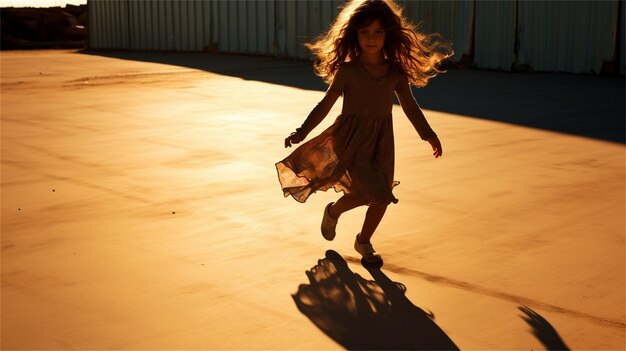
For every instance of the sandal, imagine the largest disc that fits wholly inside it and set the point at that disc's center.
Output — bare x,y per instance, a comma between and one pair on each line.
367,251
328,224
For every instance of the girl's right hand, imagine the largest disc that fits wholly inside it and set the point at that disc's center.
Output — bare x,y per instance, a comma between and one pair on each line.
293,138
436,145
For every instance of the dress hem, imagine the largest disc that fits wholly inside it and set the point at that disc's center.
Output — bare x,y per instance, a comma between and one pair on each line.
336,186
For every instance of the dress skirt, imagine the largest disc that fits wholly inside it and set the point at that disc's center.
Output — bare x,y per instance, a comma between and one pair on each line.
354,155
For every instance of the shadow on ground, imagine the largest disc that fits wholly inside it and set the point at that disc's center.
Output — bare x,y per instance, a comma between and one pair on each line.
584,105
376,314
365,314
543,330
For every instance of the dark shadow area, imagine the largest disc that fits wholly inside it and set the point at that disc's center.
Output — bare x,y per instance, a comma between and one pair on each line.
584,105
543,330
366,314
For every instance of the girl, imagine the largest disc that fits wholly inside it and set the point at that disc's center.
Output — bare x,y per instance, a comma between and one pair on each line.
369,52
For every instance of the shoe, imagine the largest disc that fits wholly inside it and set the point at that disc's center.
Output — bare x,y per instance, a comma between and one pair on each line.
367,251
328,224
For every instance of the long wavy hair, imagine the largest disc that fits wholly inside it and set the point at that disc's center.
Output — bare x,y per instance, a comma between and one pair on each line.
417,55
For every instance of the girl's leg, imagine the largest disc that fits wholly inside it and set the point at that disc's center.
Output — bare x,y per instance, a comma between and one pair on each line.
374,215
345,203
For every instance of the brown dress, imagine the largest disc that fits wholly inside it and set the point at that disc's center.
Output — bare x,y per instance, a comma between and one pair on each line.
356,153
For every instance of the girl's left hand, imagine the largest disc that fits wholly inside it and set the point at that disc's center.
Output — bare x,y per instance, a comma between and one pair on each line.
293,138
436,145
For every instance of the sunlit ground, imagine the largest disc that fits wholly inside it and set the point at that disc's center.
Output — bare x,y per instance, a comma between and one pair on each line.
141,210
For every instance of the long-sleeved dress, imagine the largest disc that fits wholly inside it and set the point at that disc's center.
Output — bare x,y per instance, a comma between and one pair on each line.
356,153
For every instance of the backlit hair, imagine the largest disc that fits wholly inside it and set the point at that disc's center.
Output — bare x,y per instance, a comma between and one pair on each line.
416,54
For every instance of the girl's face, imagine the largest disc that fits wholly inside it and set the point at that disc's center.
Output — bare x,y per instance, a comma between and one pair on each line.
372,37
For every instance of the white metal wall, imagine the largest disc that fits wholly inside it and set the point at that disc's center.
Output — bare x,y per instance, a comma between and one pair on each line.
564,36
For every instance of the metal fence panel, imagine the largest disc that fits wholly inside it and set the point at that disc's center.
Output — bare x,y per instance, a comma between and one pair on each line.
264,38
233,27
202,40
242,26
494,35
152,13
143,24
278,31
94,25
302,26
207,26
563,36
290,29
252,32
109,25
567,36
169,23
148,24
122,25
451,19
132,30
622,57
184,21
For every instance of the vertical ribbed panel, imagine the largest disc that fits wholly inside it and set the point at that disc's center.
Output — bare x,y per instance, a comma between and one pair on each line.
265,26
243,26
495,34
94,30
280,28
152,25
161,30
299,22
170,34
567,36
232,26
133,25
290,28
622,39
108,24
302,25
562,36
241,14
451,19
251,33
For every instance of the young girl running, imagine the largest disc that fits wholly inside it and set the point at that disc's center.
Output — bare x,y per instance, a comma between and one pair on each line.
369,53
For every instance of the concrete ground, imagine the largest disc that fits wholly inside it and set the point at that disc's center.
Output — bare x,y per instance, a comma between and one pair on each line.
141,210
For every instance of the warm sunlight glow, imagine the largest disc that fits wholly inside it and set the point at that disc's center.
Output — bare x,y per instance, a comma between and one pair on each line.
141,209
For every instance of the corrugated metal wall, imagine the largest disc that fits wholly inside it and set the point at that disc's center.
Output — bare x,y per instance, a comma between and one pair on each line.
563,36
567,36
244,26
452,19
108,24
622,39
167,24
494,37
271,27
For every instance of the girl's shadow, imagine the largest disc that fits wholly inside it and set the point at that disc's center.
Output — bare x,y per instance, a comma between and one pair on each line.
366,314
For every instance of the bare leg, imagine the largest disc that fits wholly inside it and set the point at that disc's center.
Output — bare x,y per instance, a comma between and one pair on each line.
374,215
345,203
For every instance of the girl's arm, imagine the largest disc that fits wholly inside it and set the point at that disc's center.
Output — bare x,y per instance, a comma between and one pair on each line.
315,117
320,111
416,116
413,110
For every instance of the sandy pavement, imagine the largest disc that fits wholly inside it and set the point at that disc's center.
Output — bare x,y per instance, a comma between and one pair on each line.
141,210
